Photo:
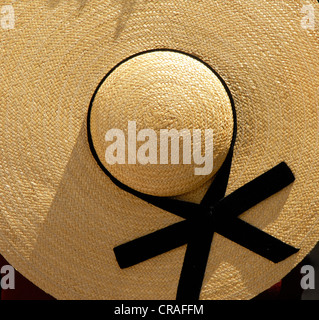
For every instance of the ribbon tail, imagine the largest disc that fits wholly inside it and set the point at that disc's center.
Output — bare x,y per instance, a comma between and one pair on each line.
153,244
194,266
257,190
255,240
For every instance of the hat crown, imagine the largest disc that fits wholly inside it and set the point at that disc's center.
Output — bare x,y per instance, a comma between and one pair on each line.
162,123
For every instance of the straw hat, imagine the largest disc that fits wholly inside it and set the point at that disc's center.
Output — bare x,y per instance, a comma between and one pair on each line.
79,227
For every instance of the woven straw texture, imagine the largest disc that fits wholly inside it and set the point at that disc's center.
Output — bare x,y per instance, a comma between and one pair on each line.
61,216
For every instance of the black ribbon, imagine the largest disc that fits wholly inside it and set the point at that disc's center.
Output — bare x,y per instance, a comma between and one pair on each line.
202,220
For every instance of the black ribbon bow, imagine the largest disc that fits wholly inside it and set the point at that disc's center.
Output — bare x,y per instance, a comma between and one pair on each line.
202,220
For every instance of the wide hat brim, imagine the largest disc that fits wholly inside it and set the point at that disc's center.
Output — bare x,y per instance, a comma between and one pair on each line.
61,216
